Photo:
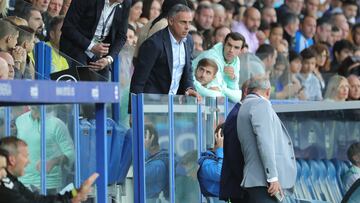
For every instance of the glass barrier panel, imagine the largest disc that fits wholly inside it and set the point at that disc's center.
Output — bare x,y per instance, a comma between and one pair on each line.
156,145
2,122
186,149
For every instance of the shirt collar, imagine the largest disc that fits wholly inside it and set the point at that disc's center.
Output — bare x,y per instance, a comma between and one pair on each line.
107,2
173,40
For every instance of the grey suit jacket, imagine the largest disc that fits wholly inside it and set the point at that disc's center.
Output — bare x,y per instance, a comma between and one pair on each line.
266,145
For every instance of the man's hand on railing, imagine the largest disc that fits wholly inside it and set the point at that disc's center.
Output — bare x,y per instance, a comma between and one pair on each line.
191,92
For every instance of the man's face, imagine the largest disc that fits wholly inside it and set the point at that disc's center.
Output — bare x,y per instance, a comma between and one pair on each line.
41,5
309,27
219,18
221,34
205,74
21,160
252,21
344,53
357,36
308,65
293,27
55,7
323,32
295,5
269,15
312,7
205,18
180,24
354,92
35,21
232,49
2,167
350,11
345,29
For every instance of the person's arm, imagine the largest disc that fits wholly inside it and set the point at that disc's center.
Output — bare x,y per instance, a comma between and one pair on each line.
120,38
155,177
211,169
148,54
71,23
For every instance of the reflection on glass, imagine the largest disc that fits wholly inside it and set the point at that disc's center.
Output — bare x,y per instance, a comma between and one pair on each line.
59,145
2,122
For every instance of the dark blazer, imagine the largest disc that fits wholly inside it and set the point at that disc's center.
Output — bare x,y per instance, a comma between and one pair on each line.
153,69
233,163
80,25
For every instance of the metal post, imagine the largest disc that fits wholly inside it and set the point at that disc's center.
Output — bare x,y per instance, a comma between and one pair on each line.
101,153
47,62
137,110
171,149
43,149
77,145
226,107
116,78
40,60
7,121
199,134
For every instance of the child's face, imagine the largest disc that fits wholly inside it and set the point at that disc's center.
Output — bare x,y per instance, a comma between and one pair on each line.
295,66
13,40
205,74
308,65
30,45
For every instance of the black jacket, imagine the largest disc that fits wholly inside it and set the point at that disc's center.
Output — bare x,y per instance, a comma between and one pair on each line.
13,191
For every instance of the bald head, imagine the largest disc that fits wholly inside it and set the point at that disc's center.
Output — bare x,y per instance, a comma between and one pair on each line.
10,61
252,19
4,69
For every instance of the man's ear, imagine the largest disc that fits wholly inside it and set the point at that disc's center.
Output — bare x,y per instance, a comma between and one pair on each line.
11,160
170,21
51,34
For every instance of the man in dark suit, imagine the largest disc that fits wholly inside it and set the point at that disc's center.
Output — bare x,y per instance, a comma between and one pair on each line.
164,60
94,31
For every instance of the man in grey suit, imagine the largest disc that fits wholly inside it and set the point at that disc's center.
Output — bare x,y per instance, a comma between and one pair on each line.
270,167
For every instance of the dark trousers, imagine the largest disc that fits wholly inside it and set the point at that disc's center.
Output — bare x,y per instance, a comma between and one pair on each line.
237,200
259,195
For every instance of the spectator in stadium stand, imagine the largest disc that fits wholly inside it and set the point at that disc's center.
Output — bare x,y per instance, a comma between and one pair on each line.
269,15
304,36
10,61
311,8
276,35
150,10
55,7
353,173
92,41
290,6
164,60
340,21
35,21
219,15
12,190
323,30
335,36
65,7
350,10
355,34
354,92
135,13
230,10
322,62
4,69
203,20
226,57
267,54
307,78
17,20
291,25
3,8
198,43
337,89
248,27
341,50
27,41
219,34
58,62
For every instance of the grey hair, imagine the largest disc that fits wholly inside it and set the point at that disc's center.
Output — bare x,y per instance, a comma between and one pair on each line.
259,82
218,7
177,9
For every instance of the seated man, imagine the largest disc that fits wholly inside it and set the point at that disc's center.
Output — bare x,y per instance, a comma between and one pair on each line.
210,166
205,74
12,190
353,173
226,56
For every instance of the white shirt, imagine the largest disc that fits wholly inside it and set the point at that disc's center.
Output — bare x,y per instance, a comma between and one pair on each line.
106,19
179,55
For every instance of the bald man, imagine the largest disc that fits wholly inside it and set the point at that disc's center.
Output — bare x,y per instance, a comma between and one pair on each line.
4,69
248,27
10,61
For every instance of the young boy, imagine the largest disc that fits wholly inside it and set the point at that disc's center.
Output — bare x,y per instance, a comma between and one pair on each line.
27,41
307,79
205,73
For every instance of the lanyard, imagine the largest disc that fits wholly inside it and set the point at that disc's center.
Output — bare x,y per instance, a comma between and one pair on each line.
105,22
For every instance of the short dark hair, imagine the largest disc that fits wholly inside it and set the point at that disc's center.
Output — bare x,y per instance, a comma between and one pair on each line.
235,36
149,127
208,62
264,51
341,45
354,150
4,153
290,18
6,29
26,33
203,6
275,25
293,55
10,144
308,53
350,2
219,28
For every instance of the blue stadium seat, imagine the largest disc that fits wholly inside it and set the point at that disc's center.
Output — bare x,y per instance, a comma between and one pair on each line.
126,157
322,180
332,183
315,179
87,150
305,181
341,168
298,190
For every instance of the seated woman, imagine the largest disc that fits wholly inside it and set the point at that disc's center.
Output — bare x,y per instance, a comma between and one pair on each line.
337,89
